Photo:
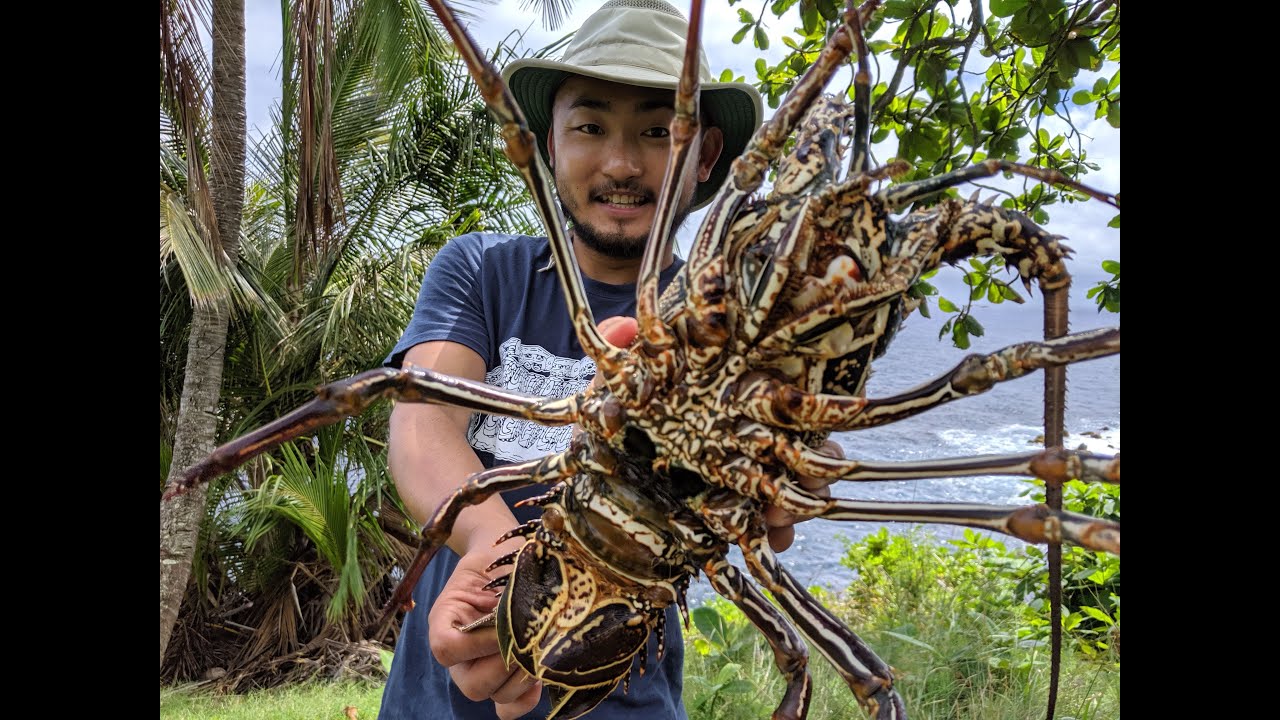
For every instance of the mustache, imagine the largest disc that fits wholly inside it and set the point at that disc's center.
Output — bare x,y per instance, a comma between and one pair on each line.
631,186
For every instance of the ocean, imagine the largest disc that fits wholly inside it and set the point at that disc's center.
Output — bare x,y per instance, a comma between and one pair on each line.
1006,419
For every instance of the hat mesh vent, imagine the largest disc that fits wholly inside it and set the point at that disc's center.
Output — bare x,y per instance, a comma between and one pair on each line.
656,5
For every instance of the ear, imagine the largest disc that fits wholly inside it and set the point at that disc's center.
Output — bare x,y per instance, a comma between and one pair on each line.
712,145
551,148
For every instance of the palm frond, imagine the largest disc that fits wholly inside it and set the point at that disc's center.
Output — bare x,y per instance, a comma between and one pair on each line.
185,99
312,495
554,12
211,278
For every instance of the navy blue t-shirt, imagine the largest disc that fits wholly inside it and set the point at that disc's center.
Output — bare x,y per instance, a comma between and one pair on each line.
499,296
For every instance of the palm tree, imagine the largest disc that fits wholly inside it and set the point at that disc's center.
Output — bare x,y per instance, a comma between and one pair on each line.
346,202
216,132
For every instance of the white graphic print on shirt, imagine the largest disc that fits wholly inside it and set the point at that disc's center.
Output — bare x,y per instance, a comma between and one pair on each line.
529,369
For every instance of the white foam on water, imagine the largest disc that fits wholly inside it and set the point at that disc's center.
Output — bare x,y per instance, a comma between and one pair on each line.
814,557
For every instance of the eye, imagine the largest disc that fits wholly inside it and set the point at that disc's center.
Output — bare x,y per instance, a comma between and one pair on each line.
590,129
657,132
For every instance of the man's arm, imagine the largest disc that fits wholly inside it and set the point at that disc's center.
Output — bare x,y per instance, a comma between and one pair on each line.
429,455
429,458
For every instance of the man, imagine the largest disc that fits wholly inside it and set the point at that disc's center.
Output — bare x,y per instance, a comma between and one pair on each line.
491,309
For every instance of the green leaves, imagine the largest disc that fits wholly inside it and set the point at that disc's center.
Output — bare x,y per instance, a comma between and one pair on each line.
1106,293
750,24
1006,8
1036,24
1113,114
761,39
779,7
983,285
900,9
712,626
961,328
921,290
725,635
1081,53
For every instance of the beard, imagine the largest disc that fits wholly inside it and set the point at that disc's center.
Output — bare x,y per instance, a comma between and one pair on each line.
616,245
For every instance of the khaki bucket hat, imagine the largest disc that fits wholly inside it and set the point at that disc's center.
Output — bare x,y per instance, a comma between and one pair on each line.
637,42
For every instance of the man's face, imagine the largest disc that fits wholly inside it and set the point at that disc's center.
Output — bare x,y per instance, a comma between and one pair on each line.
609,145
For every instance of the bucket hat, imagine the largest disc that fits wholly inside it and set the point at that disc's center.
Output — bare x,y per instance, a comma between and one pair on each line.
637,42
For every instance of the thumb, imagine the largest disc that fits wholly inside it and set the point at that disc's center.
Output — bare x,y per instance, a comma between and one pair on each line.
619,330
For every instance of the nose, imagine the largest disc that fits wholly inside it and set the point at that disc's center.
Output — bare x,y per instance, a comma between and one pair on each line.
623,159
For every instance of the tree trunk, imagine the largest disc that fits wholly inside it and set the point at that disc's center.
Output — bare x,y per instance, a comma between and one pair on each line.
196,429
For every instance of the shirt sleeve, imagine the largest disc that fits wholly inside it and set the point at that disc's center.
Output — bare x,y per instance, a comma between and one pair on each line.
450,304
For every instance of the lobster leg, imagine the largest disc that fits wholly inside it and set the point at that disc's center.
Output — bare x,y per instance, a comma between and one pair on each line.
861,89
706,258
768,141
1030,523
883,270
658,340
978,373
900,196
1055,465
522,150
792,222
870,678
789,651
846,293
769,401
478,488
351,396
950,232
1056,307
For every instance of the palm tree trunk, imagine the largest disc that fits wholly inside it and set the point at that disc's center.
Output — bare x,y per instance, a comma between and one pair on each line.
197,413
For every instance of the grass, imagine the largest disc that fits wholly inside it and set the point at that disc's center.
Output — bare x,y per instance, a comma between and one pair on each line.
310,701
950,620
953,622
969,690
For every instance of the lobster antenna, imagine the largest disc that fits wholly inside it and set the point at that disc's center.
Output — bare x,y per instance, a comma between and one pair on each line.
1056,309
657,338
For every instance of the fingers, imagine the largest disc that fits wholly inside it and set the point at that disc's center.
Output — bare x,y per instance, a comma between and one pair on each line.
522,704
781,524
619,330
821,486
516,687
472,657
488,678
780,538
452,646
461,602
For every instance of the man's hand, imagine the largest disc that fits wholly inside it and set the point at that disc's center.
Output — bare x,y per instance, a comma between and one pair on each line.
472,657
781,524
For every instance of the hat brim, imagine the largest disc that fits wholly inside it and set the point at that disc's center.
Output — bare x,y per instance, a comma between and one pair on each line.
733,107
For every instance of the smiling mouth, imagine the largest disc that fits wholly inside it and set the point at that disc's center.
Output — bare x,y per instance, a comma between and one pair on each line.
623,199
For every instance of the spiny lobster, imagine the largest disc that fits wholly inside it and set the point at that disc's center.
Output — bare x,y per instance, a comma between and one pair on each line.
758,350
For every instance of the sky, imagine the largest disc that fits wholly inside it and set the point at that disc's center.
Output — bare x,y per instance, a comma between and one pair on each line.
1084,224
